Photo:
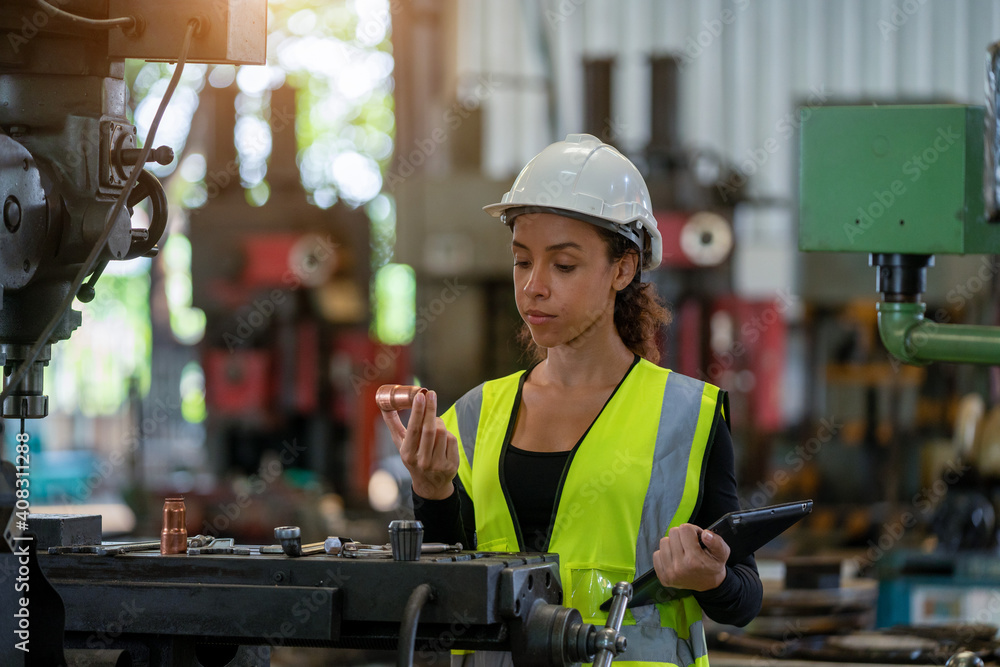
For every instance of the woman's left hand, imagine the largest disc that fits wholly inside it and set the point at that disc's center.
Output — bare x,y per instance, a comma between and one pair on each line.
681,562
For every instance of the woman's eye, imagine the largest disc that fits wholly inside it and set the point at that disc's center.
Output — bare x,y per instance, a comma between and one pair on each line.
565,268
521,263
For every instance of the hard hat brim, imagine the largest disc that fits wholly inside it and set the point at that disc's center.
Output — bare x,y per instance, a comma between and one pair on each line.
496,210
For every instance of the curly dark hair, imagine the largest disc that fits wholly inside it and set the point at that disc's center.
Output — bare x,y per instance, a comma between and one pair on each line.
640,313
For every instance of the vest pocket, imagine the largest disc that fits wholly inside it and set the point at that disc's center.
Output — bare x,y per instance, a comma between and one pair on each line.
499,544
589,587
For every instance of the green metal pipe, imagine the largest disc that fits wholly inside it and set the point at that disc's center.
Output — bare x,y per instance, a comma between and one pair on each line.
914,340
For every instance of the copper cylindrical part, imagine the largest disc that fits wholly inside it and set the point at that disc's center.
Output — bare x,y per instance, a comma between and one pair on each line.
397,396
174,536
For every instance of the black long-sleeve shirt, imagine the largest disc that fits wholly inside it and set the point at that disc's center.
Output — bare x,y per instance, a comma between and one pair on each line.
735,601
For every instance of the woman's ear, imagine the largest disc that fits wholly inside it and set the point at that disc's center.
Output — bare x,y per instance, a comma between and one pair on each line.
627,267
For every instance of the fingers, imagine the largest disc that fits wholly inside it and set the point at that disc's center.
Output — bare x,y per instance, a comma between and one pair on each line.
677,550
686,535
428,432
426,444
451,451
396,429
662,562
682,562
715,545
439,455
411,440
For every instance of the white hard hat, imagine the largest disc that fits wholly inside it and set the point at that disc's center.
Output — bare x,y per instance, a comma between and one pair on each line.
585,178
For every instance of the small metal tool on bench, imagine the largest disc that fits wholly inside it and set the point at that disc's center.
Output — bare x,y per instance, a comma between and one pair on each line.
290,538
198,541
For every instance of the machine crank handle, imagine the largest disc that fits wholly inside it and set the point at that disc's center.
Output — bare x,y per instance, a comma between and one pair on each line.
144,240
610,642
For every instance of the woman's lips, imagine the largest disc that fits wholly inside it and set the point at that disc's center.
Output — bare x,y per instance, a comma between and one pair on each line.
538,317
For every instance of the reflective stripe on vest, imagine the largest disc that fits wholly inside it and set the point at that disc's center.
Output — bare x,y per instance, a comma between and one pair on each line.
648,445
683,406
646,644
651,643
467,411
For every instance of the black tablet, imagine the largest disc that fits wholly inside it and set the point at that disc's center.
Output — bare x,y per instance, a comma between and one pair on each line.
744,531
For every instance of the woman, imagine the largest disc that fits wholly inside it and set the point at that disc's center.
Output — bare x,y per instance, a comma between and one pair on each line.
594,453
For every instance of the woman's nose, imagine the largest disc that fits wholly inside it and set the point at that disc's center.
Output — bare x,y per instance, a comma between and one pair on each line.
537,284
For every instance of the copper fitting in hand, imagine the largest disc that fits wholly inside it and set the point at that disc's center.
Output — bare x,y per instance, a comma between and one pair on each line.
173,537
397,396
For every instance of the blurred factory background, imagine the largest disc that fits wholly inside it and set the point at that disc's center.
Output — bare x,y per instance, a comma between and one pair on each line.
326,237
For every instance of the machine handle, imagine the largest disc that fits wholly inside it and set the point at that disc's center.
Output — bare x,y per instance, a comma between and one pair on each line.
610,642
144,240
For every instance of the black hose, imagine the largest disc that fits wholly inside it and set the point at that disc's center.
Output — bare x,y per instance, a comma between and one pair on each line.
123,22
420,596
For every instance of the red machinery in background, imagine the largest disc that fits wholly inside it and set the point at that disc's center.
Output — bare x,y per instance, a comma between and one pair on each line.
284,287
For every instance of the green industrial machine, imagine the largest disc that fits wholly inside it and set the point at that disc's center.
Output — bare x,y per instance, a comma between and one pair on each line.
898,179
903,183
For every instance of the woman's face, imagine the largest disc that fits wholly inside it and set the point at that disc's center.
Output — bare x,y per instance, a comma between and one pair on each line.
563,281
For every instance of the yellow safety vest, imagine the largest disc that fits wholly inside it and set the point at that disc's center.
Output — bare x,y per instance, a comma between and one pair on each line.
637,472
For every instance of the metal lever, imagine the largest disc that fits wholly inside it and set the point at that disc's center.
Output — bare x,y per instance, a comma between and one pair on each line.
352,549
161,155
87,290
610,642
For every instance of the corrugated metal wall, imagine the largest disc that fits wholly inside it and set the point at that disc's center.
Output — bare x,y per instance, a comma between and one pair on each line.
747,65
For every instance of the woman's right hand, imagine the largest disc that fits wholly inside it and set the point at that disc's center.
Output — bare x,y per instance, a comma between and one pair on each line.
429,451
